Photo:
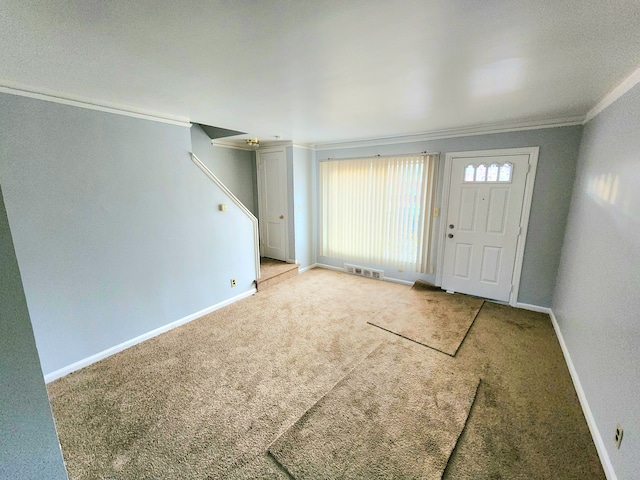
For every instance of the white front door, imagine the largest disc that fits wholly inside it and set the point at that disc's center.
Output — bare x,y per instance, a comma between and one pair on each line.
272,197
483,223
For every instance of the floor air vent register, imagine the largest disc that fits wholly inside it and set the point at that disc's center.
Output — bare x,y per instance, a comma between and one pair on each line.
364,272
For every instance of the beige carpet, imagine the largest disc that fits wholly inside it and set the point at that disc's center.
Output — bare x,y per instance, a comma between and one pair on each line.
431,317
205,401
273,272
398,414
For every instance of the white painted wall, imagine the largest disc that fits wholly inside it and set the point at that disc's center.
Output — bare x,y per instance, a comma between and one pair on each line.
597,297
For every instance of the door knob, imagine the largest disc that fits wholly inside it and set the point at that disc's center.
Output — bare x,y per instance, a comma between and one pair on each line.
450,235
281,217
451,225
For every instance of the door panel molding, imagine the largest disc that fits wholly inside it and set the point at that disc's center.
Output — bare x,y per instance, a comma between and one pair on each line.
533,153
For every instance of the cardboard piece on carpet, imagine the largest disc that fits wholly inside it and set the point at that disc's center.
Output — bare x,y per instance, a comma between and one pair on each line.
431,317
398,414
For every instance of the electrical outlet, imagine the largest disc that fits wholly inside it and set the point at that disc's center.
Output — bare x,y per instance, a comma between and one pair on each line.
233,282
617,438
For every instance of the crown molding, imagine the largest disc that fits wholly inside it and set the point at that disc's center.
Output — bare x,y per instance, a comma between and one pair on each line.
75,101
456,132
275,143
236,145
28,91
626,85
304,146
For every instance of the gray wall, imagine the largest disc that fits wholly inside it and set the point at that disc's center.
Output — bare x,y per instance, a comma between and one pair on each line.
29,447
304,179
116,231
597,297
291,225
551,197
235,168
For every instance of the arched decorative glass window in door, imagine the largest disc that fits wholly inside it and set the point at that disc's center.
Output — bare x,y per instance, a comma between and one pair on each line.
495,173
469,173
481,173
492,173
505,173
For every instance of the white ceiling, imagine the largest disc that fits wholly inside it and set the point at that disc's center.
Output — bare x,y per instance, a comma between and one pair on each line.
326,71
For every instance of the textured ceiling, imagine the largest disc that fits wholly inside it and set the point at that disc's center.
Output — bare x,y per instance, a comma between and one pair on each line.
325,71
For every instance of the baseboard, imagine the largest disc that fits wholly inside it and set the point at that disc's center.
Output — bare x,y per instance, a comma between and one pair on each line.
593,428
533,308
50,377
330,267
397,280
385,279
308,267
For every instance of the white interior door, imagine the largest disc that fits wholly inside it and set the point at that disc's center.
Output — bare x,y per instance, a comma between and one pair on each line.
483,224
272,193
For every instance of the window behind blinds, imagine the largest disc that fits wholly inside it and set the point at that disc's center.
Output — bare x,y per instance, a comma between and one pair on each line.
378,210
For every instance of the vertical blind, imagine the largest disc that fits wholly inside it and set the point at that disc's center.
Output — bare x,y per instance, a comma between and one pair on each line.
378,210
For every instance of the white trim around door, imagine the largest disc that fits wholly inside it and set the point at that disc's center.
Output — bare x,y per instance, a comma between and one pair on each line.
524,218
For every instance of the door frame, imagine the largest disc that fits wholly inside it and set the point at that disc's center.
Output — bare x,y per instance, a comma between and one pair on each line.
524,215
261,212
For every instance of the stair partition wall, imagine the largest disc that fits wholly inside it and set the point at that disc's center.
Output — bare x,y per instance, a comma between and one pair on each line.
378,211
243,209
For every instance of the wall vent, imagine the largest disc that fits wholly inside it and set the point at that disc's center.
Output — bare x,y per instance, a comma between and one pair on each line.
364,272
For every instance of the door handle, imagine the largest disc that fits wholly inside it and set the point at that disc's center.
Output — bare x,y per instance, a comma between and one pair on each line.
450,235
451,225
281,217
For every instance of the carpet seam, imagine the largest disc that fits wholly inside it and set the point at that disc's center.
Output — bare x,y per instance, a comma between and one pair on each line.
429,346
325,394
453,371
469,329
280,465
412,340
475,395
